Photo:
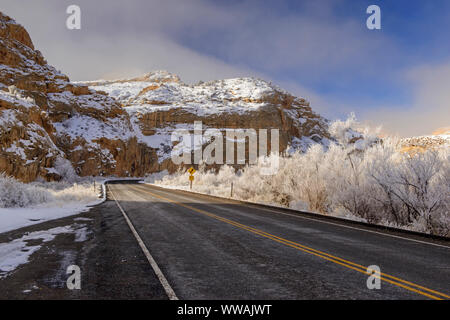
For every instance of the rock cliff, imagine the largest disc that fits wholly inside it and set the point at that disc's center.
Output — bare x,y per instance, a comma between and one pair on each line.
159,102
123,127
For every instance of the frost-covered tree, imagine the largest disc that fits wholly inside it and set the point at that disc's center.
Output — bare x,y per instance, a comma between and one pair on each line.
16,194
65,170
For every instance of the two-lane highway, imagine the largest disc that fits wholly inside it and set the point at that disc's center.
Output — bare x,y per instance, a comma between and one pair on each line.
208,248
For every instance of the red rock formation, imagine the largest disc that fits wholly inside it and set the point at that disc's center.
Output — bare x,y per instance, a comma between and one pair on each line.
44,116
41,101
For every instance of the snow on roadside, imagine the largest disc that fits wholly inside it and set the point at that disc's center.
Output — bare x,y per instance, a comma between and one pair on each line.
23,205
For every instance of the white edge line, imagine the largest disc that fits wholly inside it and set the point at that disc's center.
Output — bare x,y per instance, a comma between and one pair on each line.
167,288
355,228
251,204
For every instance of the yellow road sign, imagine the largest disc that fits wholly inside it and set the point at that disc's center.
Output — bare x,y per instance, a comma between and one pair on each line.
191,170
191,178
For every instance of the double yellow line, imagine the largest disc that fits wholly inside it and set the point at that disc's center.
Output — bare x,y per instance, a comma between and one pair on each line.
346,263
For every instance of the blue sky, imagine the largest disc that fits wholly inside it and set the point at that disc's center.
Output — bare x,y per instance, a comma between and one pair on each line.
397,76
413,33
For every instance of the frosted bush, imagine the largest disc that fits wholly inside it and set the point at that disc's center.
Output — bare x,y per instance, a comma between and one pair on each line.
151,178
415,189
351,133
65,169
17,194
75,193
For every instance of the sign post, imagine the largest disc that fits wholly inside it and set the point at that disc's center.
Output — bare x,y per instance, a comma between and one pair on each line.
191,171
191,178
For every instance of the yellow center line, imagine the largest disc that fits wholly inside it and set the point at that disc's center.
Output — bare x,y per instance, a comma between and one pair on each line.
348,264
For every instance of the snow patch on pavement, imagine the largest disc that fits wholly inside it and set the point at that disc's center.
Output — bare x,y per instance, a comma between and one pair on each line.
18,252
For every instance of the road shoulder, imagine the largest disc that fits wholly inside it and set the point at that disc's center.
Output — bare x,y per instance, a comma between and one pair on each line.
98,241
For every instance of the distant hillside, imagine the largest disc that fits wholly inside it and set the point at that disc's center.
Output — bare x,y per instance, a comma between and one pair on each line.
421,143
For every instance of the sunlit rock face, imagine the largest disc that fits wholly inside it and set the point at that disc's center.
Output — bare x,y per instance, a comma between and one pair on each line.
44,116
159,103
123,127
439,139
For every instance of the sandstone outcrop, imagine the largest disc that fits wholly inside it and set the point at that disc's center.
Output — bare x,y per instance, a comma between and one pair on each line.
156,108
44,116
123,127
424,143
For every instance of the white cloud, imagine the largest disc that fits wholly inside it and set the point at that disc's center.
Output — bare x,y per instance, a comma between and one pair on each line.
138,35
430,109
295,50
116,40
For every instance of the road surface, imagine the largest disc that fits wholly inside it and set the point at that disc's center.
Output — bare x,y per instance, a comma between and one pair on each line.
209,248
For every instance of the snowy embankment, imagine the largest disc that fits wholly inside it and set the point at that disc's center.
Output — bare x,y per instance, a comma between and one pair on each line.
22,204
366,180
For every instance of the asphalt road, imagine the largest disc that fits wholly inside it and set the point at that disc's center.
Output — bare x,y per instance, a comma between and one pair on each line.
208,248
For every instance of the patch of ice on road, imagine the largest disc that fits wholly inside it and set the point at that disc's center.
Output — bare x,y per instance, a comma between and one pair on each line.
34,287
82,219
18,252
81,234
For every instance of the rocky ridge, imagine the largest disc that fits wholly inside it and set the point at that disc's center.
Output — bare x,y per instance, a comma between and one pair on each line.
123,127
157,107
423,143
